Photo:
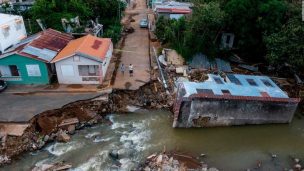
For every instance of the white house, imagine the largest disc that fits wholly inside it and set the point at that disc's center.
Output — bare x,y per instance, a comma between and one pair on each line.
84,60
12,31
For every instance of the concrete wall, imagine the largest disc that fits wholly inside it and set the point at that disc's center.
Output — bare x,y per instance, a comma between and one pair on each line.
75,78
107,60
14,33
216,112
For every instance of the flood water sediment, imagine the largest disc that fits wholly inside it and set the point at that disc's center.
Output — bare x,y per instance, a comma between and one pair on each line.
135,136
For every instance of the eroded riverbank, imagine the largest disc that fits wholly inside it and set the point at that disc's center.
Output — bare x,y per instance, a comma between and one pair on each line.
56,124
143,133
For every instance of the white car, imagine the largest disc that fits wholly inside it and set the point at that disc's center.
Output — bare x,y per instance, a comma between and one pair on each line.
143,23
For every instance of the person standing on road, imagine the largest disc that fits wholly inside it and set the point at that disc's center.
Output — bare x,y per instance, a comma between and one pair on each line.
122,69
131,70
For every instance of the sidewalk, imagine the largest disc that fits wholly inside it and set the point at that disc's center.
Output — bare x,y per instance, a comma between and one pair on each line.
135,52
54,88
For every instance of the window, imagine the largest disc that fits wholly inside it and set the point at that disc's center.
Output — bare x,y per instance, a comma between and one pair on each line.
88,70
9,71
14,70
225,92
67,70
204,91
5,71
267,83
218,80
251,82
33,70
233,79
227,39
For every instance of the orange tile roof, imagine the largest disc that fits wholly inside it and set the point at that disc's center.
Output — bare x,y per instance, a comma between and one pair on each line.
88,46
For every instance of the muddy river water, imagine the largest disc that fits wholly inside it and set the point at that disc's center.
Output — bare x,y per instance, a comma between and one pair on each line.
135,136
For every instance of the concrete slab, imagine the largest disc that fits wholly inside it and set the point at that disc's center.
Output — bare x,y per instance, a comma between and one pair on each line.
12,129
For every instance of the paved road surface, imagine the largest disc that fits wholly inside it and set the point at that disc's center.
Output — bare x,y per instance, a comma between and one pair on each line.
21,108
136,52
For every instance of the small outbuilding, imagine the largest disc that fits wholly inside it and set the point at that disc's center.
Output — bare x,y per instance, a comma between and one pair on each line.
84,60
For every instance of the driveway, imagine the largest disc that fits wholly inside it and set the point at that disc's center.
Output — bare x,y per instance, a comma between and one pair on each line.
22,107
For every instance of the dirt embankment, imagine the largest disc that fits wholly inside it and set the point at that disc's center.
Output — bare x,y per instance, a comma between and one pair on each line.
57,124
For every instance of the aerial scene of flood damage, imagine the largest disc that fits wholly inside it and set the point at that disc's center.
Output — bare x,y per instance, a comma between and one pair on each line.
151,85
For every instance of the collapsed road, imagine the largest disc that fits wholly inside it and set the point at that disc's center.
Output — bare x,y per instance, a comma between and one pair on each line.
57,124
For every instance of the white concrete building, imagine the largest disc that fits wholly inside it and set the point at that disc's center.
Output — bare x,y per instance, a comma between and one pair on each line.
84,61
12,30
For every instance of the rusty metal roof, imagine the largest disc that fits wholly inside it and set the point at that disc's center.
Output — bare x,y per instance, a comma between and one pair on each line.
43,46
52,40
46,46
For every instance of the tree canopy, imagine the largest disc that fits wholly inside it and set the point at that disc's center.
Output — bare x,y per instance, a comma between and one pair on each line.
264,30
52,11
287,45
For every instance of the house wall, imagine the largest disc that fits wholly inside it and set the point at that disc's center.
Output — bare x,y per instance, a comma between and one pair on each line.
75,78
107,60
24,78
216,112
14,33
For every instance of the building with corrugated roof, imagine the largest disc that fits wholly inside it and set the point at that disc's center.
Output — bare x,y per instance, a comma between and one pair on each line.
233,100
173,9
84,60
29,61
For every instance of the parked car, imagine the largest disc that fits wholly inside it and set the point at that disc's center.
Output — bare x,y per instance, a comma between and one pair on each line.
143,23
3,85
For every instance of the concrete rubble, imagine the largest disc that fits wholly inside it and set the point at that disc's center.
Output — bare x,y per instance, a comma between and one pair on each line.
174,161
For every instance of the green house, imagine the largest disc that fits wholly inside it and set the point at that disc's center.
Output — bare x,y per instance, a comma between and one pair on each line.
18,69
29,61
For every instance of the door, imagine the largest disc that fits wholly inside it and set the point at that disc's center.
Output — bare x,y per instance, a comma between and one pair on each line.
14,70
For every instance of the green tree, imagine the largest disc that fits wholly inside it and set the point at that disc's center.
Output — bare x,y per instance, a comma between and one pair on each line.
204,26
51,11
287,45
5,6
249,20
108,11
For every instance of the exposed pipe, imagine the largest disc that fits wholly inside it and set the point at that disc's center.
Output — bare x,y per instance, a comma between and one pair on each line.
161,71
